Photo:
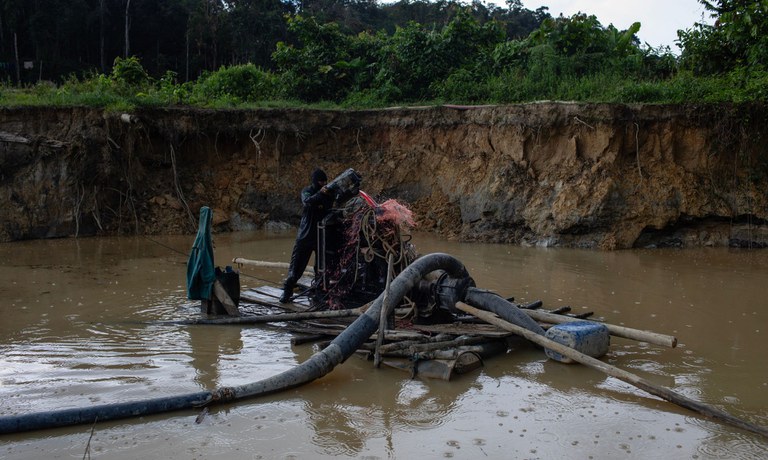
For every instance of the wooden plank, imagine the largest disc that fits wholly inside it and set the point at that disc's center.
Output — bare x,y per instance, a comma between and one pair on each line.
253,296
484,330
223,297
269,297
275,293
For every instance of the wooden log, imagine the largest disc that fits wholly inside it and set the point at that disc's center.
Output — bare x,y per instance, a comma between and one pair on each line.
279,318
304,338
584,315
9,137
431,346
404,344
302,329
450,353
13,138
618,331
390,335
613,371
324,324
476,327
260,263
483,350
533,305
266,264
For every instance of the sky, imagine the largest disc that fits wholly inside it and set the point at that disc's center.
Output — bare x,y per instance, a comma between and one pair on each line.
659,19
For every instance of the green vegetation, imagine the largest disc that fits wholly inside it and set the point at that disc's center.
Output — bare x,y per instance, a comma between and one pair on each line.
461,54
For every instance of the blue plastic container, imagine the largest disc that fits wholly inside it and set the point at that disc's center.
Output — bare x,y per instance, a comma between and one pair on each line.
590,338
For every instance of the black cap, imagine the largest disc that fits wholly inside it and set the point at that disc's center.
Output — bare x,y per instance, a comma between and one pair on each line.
318,175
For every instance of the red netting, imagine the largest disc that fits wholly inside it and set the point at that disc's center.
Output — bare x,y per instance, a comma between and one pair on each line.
392,212
370,233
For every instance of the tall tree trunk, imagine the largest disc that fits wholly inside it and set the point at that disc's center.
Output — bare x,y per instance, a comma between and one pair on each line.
102,57
16,50
186,76
215,54
127,25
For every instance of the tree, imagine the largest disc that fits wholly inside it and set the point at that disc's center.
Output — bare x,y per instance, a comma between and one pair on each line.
738,38
415,58
102,38
255,27
205,26
127,28
320,65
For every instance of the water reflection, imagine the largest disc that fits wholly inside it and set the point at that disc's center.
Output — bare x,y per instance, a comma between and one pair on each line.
352,406
210,346
81,325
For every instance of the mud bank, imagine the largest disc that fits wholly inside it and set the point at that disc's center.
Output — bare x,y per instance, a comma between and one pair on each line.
551,174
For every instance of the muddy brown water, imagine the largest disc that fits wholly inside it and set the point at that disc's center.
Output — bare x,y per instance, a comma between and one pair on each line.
79,325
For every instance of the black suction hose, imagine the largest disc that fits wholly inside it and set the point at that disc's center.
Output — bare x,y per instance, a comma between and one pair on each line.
76,416
315,367
489,301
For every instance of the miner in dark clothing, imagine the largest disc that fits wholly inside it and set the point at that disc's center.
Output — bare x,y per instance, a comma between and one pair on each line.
317,200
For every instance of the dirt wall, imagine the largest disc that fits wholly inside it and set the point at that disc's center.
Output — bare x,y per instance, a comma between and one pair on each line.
551,174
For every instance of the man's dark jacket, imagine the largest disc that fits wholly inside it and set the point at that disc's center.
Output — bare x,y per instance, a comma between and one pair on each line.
316,205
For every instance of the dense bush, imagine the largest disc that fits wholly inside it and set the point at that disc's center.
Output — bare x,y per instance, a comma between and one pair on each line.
235,84
128,73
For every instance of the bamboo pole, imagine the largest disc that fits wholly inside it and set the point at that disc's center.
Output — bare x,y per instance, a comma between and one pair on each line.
383,317
260,263
457,342
389,335
618,331
265,264
613,371
404,344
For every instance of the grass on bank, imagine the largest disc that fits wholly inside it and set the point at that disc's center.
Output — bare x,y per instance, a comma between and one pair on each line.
228,89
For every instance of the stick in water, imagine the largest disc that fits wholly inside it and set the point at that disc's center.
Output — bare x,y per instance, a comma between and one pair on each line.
619,331
639,382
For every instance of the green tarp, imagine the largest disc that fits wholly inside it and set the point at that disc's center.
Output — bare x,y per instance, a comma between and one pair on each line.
200,268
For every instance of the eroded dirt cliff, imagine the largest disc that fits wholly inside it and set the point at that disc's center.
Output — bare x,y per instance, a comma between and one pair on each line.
554,174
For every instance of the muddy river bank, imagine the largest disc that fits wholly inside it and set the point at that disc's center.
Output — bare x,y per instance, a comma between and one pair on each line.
552,174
